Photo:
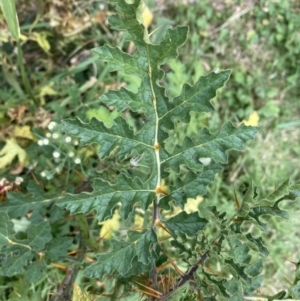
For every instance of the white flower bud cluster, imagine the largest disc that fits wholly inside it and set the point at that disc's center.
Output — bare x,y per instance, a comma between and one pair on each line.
52,125
63,149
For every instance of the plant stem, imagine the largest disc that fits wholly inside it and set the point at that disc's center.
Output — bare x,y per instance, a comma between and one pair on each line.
24,74
191,272
65,290
156,212
85,232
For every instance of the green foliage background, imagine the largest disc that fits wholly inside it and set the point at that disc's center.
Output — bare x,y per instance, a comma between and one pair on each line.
258,40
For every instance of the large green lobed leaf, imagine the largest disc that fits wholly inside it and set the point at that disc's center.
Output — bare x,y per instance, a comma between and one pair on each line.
127,258
160,113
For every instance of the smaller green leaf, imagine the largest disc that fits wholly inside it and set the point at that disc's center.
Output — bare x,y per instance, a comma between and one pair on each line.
193,184
238,271
17,257
21,291
186,223
241,254
212,214
127,258
257,212
294,291
240,250
247,201
6,229
181,247
186,246
276,195
57,248
39,235
234,288
257,244
254,269
19,204
217,286
256,284
17,254
118,260
295,188
297,272
144,254
36,270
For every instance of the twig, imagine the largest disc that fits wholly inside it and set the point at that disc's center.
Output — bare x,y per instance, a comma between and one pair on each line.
85,232
65,291
187,276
